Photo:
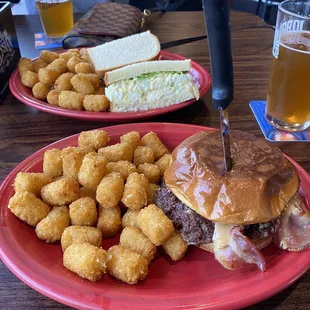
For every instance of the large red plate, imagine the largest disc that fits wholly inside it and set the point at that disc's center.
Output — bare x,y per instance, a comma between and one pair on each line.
24,94
195,282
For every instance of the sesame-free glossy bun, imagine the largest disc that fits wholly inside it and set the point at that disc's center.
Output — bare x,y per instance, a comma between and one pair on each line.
256,190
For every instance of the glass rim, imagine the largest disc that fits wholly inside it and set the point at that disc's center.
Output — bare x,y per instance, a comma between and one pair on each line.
282,9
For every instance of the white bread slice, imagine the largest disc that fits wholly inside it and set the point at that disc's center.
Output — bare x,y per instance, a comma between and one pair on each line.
121,52
137,69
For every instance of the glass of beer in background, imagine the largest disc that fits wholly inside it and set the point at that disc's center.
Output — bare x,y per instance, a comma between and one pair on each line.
288,99
56,16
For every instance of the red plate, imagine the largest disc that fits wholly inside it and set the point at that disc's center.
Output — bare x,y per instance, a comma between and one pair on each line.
195,282
24,94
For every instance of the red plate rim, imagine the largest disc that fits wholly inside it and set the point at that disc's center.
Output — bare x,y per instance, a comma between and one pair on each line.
270,282
20,92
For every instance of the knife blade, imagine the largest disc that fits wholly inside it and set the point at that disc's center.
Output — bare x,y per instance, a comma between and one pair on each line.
181,42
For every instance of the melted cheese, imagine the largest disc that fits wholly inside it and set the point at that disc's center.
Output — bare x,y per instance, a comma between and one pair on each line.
221,236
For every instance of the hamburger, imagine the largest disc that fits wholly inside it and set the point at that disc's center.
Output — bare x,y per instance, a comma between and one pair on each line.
234,214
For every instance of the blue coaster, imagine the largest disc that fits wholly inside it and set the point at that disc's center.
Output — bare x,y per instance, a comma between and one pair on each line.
272,134
42,42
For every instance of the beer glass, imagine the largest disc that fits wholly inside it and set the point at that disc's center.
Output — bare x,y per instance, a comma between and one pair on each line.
56,16
288,98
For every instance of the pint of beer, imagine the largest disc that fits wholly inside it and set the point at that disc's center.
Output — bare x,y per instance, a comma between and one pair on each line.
288,98
56,16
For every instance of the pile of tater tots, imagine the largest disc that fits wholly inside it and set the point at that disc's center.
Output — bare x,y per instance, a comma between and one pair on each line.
95,191
64,79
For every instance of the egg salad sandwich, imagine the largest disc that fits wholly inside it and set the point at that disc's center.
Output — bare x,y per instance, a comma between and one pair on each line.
150,85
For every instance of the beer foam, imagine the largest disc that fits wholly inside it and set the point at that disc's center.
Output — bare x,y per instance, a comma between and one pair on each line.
300,38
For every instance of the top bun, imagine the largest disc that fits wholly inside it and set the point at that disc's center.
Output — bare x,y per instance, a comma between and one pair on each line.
256,190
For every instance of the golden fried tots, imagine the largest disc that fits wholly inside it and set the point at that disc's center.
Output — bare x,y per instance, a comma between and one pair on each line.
83,67
155,224
124,167
86,260
59,64
129,219
133,138
48,56
95,139
52,163
110,190
38,64
151,171
70,100
116,152
126,265
163,163
109,221
31,182
24,65
28,208
93,78
134,239
151,139
82,84
151,192
63,81
61,192
83,212
88,192
135,191
83,51
72,62
92,170
96,103
100,91
175,246
81,234
48,75
53,97
29,79
143,154
53,225
68,54
40,90
79,149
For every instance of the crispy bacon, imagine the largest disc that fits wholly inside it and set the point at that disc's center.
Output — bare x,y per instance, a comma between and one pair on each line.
293,233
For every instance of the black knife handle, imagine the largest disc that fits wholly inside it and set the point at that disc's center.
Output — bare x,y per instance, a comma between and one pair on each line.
217,20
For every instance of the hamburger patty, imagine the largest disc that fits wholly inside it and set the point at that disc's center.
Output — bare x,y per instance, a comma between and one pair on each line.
195,229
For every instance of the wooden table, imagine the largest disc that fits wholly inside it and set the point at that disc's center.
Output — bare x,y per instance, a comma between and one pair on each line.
25,130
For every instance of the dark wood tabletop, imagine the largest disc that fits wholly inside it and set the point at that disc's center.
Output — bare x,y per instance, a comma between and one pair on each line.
25,130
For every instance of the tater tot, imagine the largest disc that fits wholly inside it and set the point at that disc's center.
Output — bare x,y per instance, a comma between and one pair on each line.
83,67
92,170
25,64
151,139
129,219
38,64
40,90
151,192
79,149
52,163
28,208
117,152
63,81
175,246
81,234
96,103
67,55
61,192
126,265
53,97
72,62
70,100
100,91
59,64
143,154
48,56
133,138
29,79
151,171
83,51
83,212
110,190
155,224
163,163
124,167
95,139
31,182
135,191
48,75
93,78
109,221
82,84
88,192
53,225
134,239
86,260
